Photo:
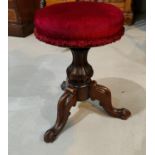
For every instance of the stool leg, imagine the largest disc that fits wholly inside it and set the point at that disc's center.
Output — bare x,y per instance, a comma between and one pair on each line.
103,94
66,101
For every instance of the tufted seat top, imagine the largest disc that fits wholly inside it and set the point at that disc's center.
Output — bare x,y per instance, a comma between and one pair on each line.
79,24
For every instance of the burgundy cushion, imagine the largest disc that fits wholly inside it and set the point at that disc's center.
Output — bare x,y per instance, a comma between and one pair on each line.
79,24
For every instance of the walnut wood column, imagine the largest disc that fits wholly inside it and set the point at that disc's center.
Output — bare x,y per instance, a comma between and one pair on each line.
79,73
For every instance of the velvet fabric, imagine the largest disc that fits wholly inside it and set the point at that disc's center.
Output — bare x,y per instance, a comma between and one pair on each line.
79,24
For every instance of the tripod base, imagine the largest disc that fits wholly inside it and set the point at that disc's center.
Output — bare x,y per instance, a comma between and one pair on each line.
80,87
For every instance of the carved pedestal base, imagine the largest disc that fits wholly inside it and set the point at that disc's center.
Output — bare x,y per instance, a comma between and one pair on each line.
80,87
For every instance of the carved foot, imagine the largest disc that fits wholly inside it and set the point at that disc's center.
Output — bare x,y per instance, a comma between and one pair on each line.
50,136
122,113
66,101
103,94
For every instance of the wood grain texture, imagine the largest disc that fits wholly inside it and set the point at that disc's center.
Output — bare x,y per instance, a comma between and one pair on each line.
20,30
49,2
12,17
20,17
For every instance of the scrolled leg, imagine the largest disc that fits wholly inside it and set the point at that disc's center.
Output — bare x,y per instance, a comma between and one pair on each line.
103,94
66,101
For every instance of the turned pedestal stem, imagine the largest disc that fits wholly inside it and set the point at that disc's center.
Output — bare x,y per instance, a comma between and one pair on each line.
79,73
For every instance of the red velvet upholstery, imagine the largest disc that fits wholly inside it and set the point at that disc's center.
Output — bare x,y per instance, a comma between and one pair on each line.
79,24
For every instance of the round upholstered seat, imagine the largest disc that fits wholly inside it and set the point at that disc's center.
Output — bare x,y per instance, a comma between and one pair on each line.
79,24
